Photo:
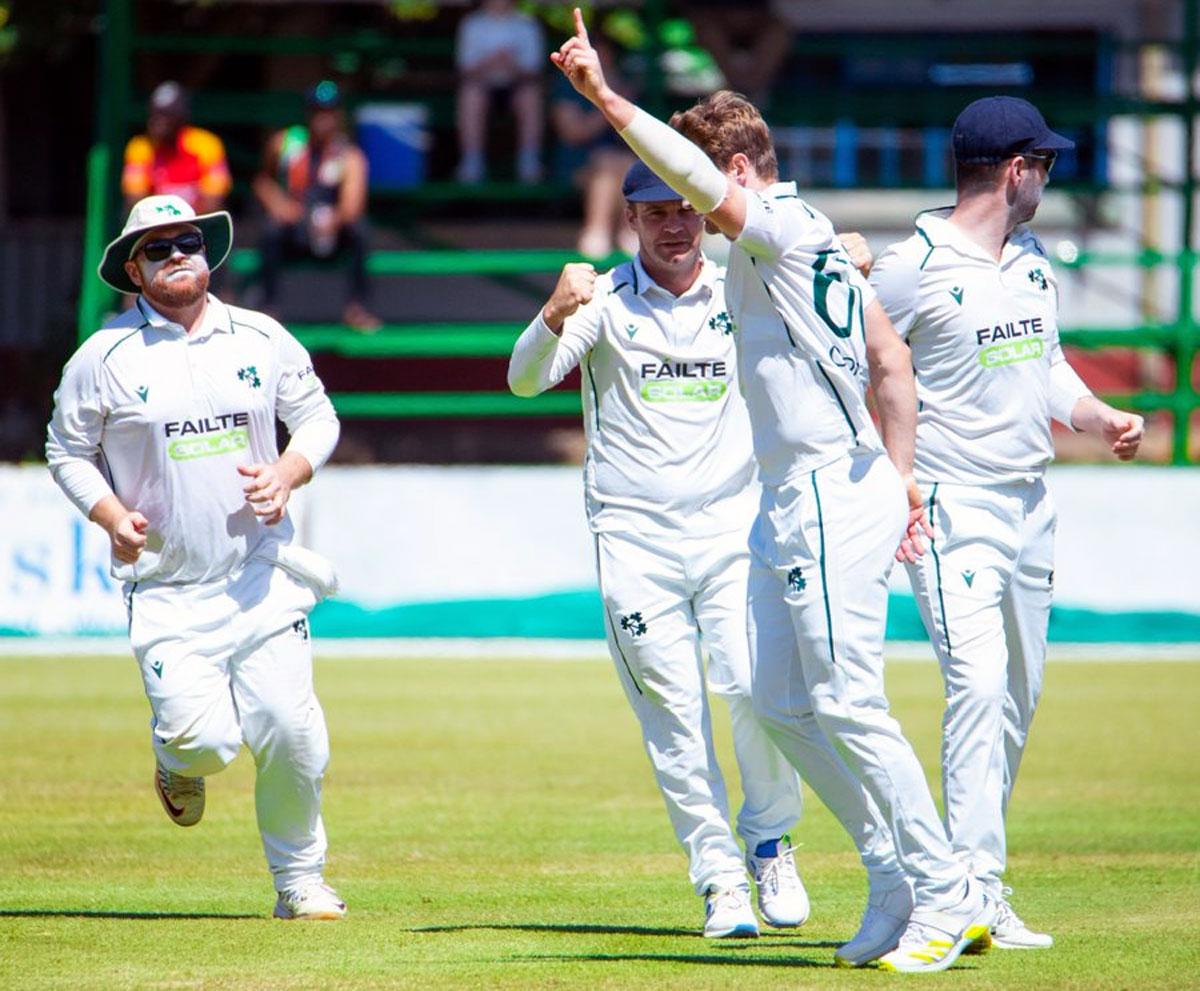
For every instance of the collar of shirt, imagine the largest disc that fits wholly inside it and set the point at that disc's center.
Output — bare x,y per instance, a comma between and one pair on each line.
216,318
643,283
781,191
937,229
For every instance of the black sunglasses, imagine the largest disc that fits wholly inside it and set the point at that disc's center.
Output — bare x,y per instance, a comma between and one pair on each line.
1049,157
191,243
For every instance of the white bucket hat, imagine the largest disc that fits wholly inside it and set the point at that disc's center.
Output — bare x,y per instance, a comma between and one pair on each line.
164,211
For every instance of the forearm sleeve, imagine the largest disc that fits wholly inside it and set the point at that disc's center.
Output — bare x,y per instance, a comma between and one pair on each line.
82,482
678,162
1066,389
315,439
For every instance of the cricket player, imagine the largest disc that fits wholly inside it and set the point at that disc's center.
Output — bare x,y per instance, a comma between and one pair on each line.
833,510
671,493
163,434
974,294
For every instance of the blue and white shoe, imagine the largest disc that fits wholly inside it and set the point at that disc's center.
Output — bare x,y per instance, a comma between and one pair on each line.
782,900
728,915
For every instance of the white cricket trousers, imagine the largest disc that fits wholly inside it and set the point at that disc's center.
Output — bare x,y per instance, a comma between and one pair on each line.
228,662
821,552
984,590
666,603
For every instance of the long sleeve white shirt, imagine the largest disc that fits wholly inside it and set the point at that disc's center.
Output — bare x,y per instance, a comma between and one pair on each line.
984,339
162,419
668,437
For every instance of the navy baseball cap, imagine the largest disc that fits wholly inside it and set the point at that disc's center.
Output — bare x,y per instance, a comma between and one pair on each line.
643,186
997,127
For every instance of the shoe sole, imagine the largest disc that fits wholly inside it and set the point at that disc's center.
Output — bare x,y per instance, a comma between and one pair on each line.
784,925
980,946
1000,944
168,808
969,936
739,932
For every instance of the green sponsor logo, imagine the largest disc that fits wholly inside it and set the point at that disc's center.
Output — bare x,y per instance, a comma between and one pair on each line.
142,392
683,392
1011,352
209,445
957,293
969,578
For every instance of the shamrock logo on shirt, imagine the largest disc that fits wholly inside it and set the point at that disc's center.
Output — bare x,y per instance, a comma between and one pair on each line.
1038,278
795,580
723,322
249,375
633,624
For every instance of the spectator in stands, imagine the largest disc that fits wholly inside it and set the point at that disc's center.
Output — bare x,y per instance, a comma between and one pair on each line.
746,40
591,154
313,186
175,158
499,51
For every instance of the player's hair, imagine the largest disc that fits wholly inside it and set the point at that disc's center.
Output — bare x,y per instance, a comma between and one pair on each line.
726,123
978,177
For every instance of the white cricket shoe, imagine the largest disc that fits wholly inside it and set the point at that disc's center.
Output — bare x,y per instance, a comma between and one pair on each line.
1009,932
182,798
933,941
782,900
883,923
728,915
309,900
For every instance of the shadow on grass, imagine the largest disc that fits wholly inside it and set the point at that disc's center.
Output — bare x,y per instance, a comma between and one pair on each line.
79,913
768,941
713,960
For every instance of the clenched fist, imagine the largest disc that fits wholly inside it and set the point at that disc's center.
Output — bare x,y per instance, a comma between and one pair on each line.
575,287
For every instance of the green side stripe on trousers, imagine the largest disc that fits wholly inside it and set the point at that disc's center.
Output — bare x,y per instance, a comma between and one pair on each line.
937,567
824,579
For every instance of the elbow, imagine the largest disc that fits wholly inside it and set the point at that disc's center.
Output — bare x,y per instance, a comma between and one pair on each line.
520,386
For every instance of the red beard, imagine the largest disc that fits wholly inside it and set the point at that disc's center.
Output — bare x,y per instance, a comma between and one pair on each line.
174,295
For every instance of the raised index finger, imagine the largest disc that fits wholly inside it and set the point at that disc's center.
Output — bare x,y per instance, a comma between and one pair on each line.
580,27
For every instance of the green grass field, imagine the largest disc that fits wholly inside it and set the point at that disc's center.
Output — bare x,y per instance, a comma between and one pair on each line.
494,825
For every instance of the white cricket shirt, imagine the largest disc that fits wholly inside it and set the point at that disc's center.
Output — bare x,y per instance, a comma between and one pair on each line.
669,449
798,303
162,419
984,339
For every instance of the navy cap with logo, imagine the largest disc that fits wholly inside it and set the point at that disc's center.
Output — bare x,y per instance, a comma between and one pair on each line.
643,186
997,127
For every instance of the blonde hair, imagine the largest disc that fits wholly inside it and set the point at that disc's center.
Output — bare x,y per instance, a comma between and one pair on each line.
726,123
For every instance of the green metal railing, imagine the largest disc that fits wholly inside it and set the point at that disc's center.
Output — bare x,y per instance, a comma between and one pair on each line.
116,111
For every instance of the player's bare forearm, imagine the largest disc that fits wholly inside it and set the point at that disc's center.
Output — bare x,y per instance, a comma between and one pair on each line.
890,364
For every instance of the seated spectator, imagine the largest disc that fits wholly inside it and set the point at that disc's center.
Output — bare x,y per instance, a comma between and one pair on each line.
313,186
499,51
592,155
746,40
174,157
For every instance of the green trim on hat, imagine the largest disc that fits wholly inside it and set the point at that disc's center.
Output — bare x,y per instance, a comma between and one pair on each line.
217,229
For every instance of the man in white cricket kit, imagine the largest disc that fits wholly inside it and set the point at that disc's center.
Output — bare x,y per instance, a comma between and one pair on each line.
164,434
671,492
973,293
833,510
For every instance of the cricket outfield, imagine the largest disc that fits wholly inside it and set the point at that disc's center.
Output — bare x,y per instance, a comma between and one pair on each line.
494,824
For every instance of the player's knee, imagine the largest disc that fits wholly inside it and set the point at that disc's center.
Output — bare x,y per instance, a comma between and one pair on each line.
201,752
297,736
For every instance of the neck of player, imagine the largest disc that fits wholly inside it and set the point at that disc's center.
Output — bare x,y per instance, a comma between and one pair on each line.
987,219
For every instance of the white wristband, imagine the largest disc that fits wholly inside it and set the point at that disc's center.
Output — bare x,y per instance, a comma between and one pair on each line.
680,164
